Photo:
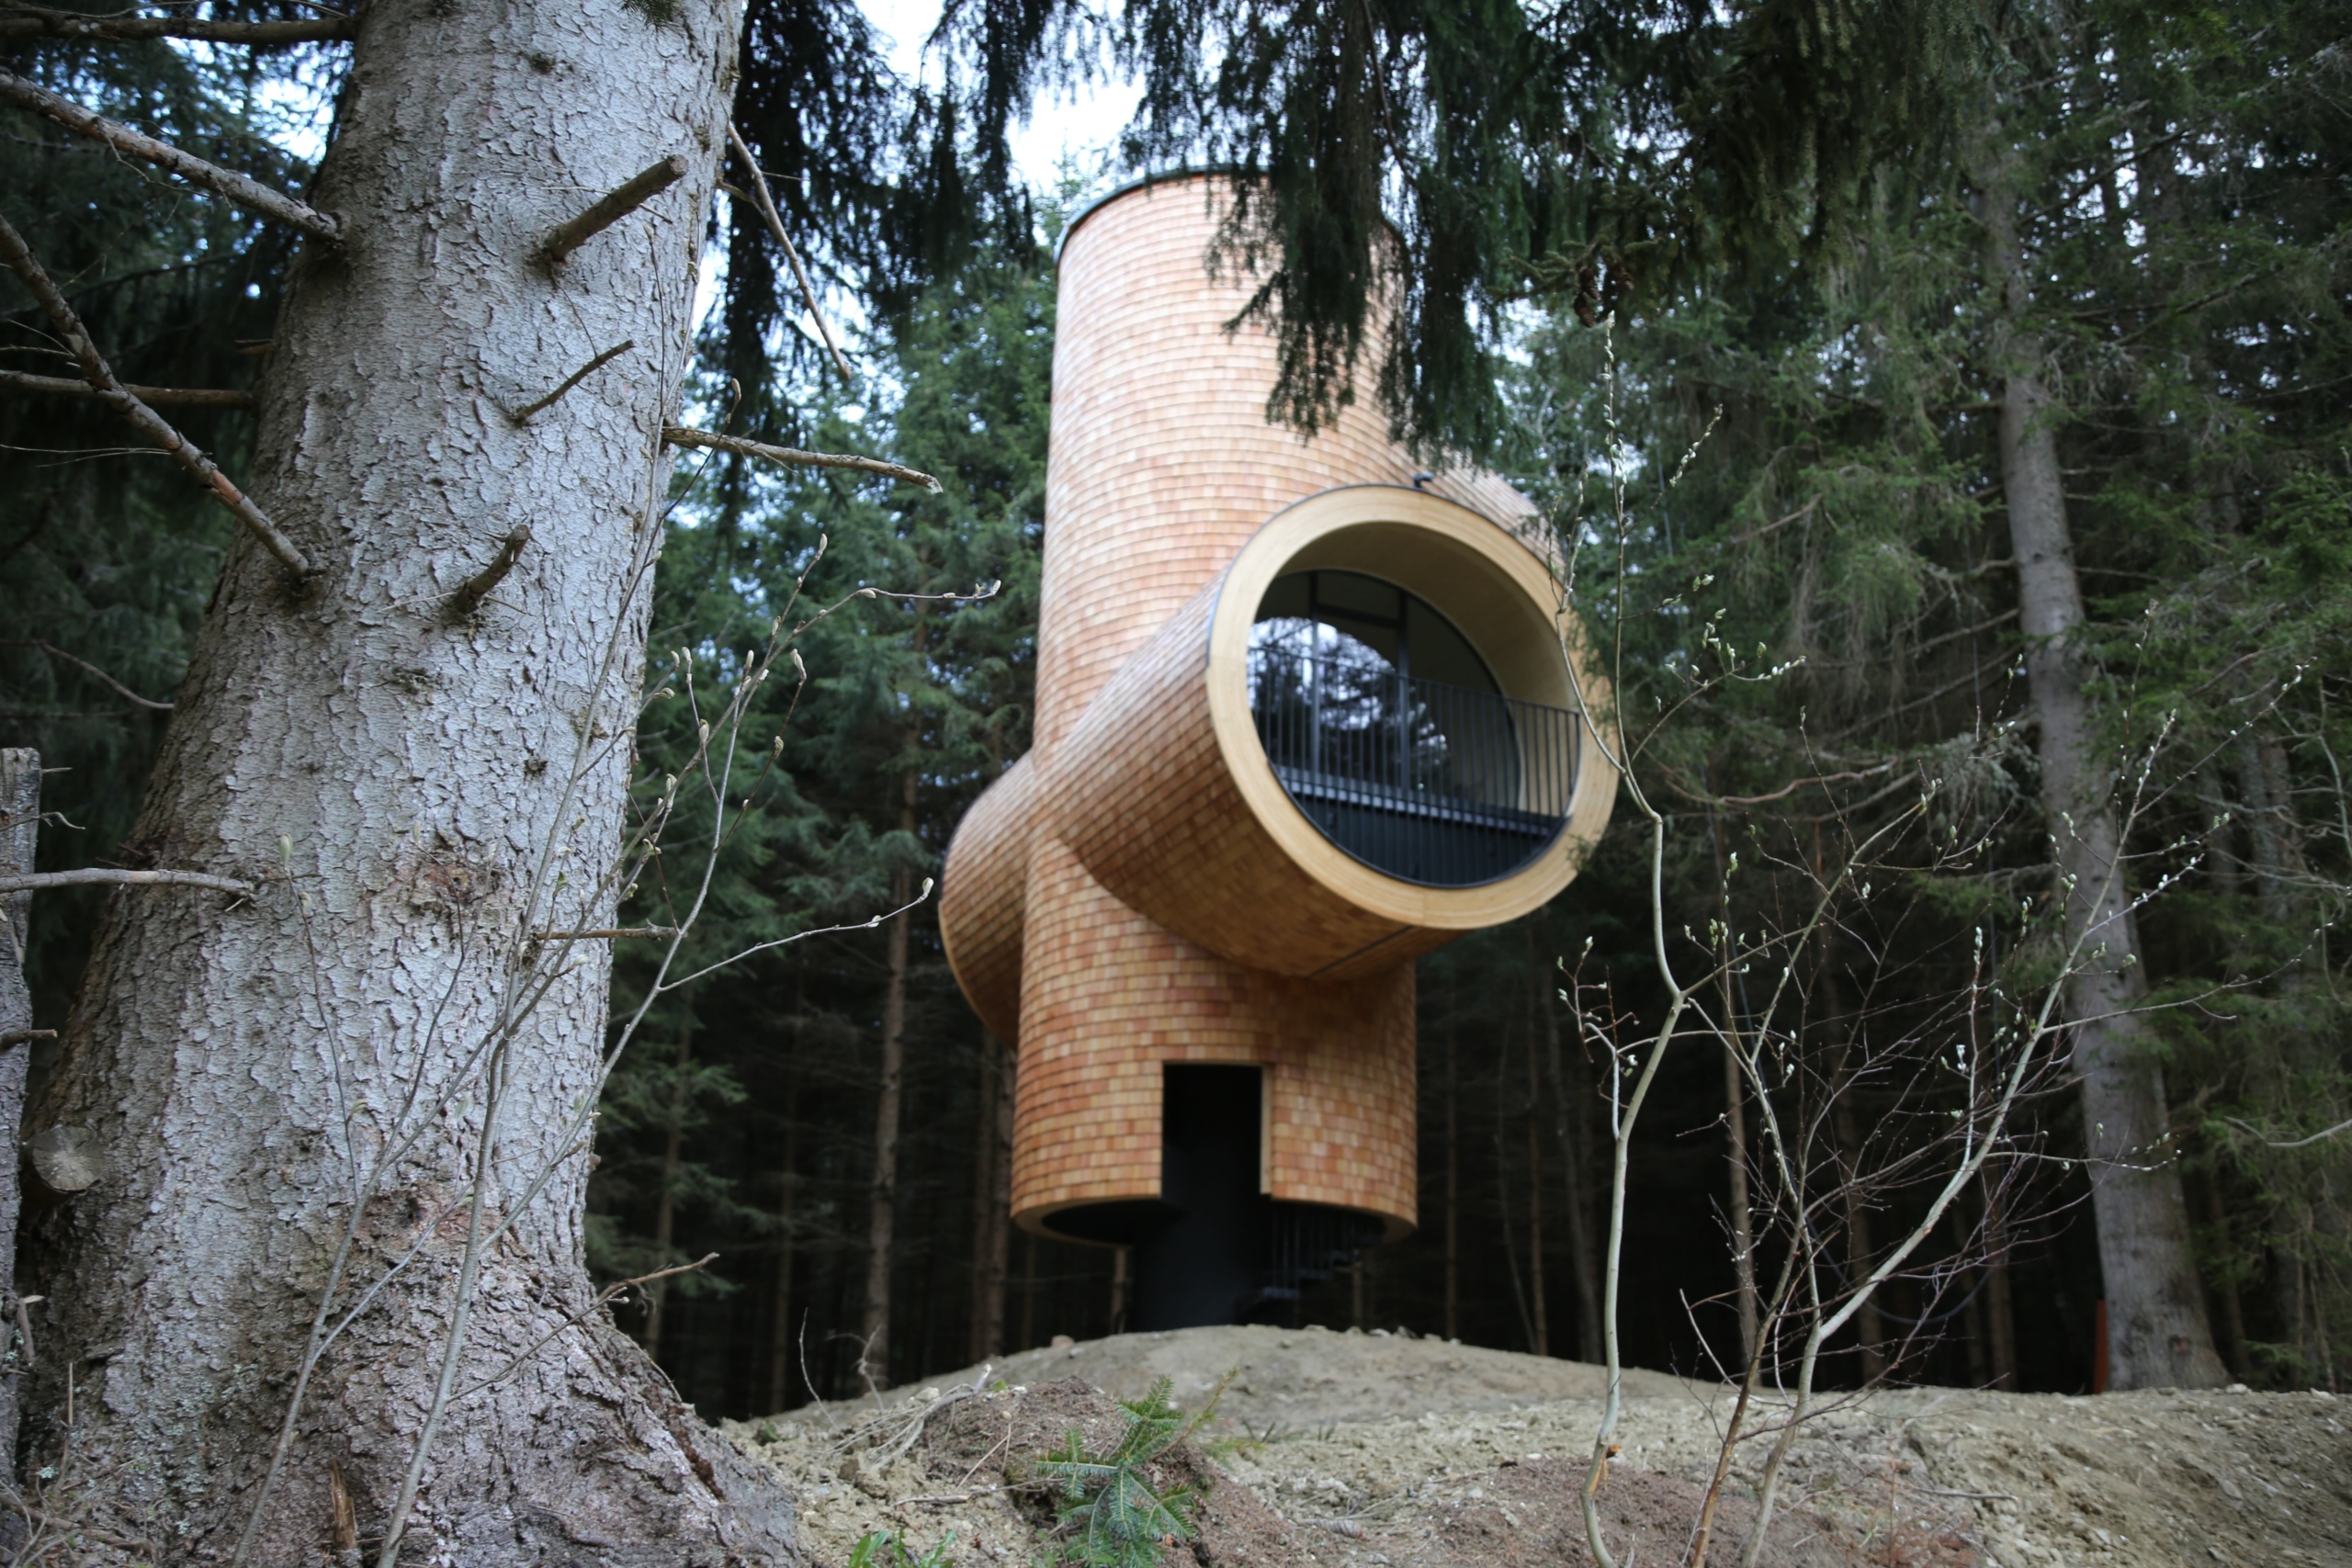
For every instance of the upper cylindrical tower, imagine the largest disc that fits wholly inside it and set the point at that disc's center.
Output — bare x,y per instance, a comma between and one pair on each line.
1163,461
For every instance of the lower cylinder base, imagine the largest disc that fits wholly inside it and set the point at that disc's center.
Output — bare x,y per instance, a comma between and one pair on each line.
1215,1249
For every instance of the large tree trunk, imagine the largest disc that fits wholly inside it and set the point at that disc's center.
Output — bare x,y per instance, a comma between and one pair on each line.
665,1203
882,1197
343,1055
1538,1305
19,835
1572,1124
2157,1326
991,1198
1453,1191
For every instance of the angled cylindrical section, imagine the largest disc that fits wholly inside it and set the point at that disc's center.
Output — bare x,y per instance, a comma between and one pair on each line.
982,891
1166,794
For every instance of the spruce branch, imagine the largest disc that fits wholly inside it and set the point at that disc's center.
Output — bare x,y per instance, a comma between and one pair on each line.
155,426
103,876
56,652
764,201
37,21
686,435
153,397
238,189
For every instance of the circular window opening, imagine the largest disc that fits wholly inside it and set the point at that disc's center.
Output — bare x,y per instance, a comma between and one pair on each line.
1388,730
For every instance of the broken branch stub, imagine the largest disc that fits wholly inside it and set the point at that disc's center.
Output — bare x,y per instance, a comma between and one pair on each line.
523,415
470,594
250,194
611,208
67,1159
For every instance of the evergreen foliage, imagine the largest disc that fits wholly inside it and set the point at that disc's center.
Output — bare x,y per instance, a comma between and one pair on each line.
1115,1515
108,552
1782,204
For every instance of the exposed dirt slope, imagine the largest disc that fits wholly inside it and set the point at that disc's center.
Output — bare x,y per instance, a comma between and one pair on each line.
1303,1378
1369,1450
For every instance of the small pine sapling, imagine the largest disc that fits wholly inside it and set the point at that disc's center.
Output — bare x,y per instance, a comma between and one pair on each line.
884,1549
1116,1517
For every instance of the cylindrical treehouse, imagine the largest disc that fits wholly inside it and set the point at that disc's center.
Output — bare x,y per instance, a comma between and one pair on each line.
1299,720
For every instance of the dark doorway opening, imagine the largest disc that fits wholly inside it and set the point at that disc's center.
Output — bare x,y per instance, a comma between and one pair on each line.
1205,1261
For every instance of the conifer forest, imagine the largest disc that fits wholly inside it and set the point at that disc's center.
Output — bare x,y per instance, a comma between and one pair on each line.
494,645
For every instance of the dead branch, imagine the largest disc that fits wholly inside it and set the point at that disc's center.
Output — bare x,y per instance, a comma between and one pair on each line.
149,423
2289,1143
523,415
764,201
685,436
609,209
153,397
1790,788
106,877
32,21
56,652
16,1037
477,588
612,933
250,194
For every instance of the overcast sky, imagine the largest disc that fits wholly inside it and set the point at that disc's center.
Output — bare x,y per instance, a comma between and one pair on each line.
1085,124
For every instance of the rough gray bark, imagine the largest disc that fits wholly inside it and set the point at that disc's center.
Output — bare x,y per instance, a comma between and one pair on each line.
2157,1334
19,835
337,1056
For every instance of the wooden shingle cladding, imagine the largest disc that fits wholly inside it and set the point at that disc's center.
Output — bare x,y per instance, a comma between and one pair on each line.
1140,890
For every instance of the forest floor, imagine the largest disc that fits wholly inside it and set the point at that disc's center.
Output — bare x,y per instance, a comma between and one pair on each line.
1351,1451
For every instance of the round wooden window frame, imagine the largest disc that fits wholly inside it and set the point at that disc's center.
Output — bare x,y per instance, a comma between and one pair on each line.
1445,553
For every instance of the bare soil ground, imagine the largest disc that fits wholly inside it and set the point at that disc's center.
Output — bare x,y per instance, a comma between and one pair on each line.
1354,1451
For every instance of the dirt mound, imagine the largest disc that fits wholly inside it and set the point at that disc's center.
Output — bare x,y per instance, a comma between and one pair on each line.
963,1464
1449,1470
1299,1379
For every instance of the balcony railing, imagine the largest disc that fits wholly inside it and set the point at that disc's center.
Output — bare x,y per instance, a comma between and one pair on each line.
1438,784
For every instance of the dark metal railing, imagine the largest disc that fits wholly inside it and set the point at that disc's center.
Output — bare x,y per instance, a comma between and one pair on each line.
1307,1244
1434,784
